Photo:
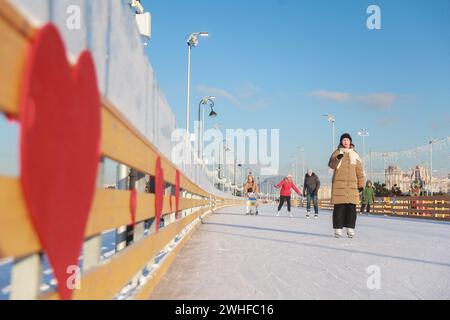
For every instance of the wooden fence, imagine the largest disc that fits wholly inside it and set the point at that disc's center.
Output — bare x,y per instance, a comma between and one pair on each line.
436,208
122,143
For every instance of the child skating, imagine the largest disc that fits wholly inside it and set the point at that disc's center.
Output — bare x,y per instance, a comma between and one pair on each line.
368,198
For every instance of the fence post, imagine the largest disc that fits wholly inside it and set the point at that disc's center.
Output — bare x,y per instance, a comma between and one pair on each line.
92,246
122,184
26,278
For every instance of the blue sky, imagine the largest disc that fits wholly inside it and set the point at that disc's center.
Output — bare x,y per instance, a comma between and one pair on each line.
284,63
281,64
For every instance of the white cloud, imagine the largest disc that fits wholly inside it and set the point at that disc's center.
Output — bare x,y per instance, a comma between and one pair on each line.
387,122
442,123
246,96
378,101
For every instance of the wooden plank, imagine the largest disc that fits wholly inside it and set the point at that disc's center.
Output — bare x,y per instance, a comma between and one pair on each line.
14,18
12,52
110,210
17,236
99,284
121,145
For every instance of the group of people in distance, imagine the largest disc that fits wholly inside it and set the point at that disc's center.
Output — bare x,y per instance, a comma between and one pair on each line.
347,184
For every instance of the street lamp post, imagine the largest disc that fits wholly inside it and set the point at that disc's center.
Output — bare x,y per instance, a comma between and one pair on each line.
431,165
294,166
302,150
385,156
191,42
332,119
234,176
225,149
363,133
235,180
206,101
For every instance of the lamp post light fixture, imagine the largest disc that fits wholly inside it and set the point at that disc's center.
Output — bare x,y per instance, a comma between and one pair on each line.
206,101
332,119
191,42
363,133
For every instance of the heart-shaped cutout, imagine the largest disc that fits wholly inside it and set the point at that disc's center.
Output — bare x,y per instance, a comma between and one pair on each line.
59,148
133,206
177,192
159,192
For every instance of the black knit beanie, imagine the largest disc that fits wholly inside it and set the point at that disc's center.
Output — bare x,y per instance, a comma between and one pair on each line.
346,135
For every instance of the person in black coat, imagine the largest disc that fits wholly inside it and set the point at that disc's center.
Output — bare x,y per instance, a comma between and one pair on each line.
311,190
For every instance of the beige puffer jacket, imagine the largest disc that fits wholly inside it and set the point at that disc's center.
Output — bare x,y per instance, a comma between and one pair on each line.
348,176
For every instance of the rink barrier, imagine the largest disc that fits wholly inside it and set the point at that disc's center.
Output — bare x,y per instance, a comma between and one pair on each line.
431,207
120,142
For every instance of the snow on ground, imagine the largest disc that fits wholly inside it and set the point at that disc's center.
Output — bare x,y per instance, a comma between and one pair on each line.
233,256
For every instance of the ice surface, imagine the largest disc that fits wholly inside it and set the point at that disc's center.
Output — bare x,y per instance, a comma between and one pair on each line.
234,256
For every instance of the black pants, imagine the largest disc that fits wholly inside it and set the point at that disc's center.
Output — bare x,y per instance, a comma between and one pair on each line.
344,216
282,200
365,206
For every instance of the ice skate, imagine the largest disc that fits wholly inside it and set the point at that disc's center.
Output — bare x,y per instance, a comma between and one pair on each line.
350,233
338,233
278,214
316,216
307,215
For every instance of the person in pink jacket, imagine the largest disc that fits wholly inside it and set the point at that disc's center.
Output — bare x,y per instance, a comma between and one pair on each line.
285,187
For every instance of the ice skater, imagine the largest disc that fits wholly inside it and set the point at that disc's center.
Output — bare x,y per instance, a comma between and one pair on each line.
311,188
348,179
285,187
368,198
251,189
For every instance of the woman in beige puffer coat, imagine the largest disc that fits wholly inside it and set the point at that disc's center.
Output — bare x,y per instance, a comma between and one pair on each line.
348,181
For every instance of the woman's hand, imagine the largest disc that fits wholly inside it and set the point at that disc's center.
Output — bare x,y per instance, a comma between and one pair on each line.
340,156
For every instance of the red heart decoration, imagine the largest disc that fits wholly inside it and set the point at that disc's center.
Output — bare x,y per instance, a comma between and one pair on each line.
177,192
159,192
59,148
133,206
11,118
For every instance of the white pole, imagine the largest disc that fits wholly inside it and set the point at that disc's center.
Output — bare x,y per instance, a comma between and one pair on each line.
203,131
303,164
214,170
188,104
334,138
364,154
431,167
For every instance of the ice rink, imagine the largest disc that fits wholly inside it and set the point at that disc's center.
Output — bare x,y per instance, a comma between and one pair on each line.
234,256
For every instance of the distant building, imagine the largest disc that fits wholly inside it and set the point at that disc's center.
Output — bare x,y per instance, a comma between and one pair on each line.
324,192
395,176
